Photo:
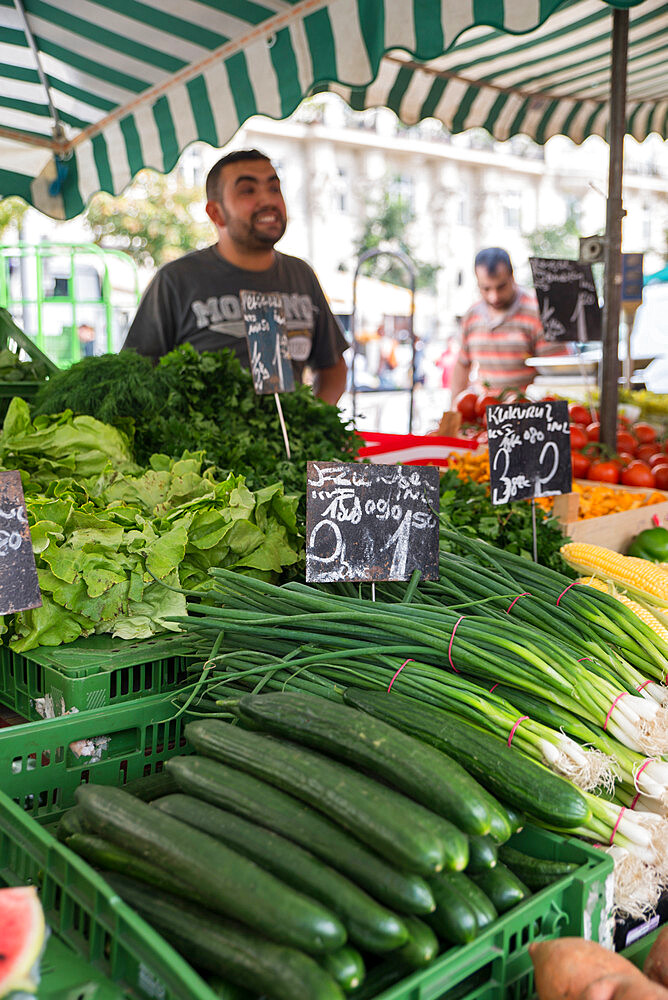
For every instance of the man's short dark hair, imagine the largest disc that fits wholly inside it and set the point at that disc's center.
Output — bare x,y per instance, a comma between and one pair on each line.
213,177
492,259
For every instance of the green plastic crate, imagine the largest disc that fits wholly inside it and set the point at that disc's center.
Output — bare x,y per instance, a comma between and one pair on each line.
40,773
91,673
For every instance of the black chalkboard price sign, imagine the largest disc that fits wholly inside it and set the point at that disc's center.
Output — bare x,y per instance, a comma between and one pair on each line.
370,522
19,586
529,450
567,299
270,364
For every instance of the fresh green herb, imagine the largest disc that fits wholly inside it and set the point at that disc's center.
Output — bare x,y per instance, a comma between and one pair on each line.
467,507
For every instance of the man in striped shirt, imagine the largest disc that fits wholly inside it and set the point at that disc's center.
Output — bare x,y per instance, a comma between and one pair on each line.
500,332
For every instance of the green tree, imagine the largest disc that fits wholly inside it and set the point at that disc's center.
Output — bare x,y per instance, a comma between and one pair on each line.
387,226
12,211
557,241
152,221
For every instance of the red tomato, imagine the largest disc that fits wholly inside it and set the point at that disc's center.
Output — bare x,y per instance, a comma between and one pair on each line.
465,404
579,414
603,471
593,430
580,464
658,458
645,451
644,433
482,402
623,421
626,442
578,436
637,474
623,458
661,476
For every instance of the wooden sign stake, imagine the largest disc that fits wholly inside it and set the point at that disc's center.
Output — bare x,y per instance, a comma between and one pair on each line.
282,423
533,528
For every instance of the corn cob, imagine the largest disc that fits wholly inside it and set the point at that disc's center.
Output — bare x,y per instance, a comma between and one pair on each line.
642,613
638,577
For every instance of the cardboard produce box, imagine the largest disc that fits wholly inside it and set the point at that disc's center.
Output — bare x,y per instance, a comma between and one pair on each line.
612,531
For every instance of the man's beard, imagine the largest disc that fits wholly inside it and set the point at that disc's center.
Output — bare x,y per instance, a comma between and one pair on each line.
247,236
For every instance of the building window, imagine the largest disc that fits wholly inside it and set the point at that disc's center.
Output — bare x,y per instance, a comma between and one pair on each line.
511,210
646,226
341,190
402,188
462,209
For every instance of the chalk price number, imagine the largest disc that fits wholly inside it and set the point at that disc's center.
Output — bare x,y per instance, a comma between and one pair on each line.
375,522
529,450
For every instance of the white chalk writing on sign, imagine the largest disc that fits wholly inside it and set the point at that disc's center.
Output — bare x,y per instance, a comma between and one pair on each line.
527,443
11,540
364,521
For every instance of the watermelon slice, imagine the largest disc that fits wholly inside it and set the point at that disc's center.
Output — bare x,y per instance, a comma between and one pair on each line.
22,930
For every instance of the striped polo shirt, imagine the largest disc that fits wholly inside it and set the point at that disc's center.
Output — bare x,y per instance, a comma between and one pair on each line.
499,346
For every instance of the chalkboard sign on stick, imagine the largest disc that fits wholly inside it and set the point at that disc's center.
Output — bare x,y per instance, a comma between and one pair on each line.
529,450
567,299
370,522
264,320
19,586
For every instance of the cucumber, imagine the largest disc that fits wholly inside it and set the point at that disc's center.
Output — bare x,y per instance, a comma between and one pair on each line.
421,947
458,882
379,979
527,786
369,924
227,991
502,887
454,919
103,854
152,786
346,967
483,854
228,949
400,830
230,883
261,803
516,818
535,873
415,768
70,822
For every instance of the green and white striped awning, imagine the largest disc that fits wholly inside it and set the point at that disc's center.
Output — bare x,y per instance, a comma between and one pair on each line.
94,90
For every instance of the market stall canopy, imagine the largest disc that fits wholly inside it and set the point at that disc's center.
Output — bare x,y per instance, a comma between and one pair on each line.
94,90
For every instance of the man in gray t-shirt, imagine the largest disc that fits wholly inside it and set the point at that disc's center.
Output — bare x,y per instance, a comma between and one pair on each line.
196,299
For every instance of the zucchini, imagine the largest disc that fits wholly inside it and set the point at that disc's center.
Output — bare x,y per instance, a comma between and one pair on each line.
383,751
151,786
458,882
261,803
369,924
535,873
502,887
228,882
421,947
524,784
346,967
400,830
228,949
483,854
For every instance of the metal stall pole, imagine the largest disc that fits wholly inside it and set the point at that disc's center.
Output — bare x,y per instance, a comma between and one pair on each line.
613,229
410,268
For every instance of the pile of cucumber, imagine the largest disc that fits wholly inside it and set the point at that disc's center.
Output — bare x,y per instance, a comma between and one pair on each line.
309,851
